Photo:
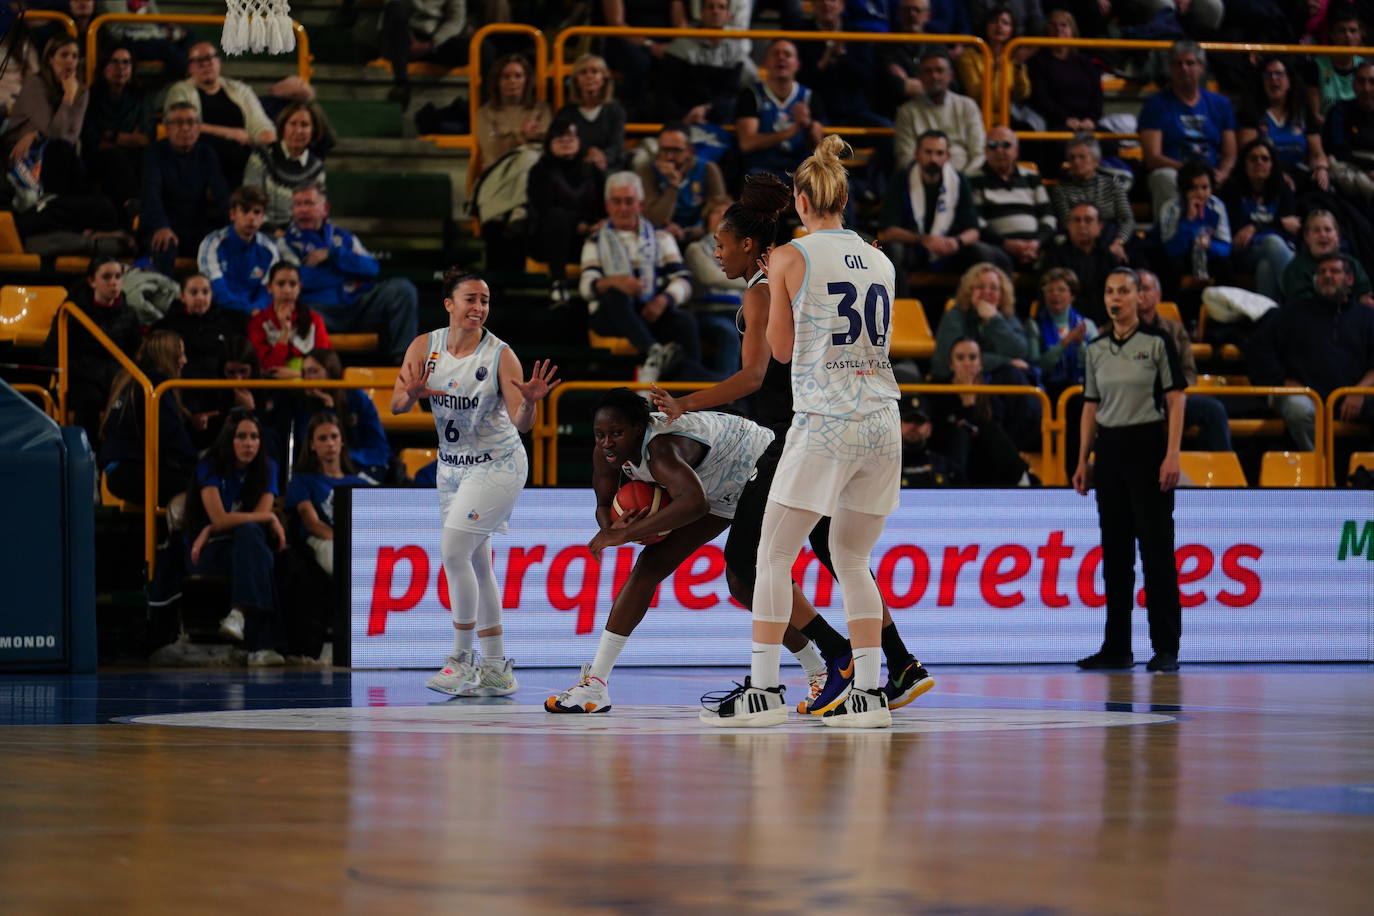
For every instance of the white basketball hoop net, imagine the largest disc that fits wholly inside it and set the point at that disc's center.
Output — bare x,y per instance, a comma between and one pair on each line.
258,25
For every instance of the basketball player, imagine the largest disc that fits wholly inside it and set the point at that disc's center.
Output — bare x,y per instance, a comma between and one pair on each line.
481,405
830,307
742,241
704,461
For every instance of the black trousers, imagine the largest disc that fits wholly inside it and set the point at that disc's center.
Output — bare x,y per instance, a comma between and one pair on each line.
1131,508
742,543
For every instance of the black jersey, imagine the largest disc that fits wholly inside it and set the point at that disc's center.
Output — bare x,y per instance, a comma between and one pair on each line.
773,400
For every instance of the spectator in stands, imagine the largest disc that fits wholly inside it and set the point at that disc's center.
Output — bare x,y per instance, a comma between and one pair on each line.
365,441
339,277
285,167
997,29
231,530
285,331
930,218
984,310
635,285
1321,236
158,41
1014,211
237,257
565,203
1057,332
1263,214
970,428
899,63
1027,17
697,80
679,185
22,46
45,121
184,193
430,30
777,120
1349,137
922,466
1086,180
511,116
1330,79
1207,414
949,17
90,368
232,118
633,57
1066,86
1323,343
840,73
204,328
323,467
1193,226
957,116
1280,113
1185,121
598,117
1085,252
118,127
209,406
161,356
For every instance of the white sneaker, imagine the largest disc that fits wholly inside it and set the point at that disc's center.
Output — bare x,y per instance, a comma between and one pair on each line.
495,678
231,625
459,671
859,709
589,696
265,658
746,706
652,367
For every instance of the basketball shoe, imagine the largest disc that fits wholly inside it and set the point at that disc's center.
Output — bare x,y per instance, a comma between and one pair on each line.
589,696
745,706
859,709
839,673
459,671
907,684
495,678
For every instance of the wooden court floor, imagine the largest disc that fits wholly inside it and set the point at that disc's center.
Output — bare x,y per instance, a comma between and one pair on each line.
1033,790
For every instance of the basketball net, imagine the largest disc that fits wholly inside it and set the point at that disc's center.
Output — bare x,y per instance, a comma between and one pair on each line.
258,25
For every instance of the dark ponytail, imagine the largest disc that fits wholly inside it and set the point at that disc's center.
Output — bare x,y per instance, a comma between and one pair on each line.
762,201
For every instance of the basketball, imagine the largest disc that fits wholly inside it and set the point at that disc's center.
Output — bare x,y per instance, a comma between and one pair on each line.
640,495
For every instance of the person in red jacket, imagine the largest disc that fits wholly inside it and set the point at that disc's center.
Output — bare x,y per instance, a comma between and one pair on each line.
286,330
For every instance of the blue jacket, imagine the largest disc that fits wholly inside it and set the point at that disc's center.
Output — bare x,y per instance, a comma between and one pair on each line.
238,269
344,276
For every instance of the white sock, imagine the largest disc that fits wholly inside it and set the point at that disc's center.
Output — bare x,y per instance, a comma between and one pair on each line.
493,647
764,661
810,659
607,651
866,664
462,639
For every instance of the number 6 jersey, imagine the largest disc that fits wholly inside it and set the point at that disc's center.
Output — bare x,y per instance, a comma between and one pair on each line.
470,415
842,316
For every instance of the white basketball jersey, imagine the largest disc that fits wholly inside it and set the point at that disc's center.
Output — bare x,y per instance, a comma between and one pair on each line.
470,416
842,315
734,445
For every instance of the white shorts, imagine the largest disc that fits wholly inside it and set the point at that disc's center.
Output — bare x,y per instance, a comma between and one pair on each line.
829,463
479,499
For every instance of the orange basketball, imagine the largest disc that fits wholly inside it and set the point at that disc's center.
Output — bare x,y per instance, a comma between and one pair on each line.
640,495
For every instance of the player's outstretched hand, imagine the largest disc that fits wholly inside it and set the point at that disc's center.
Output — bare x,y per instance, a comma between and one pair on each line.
542,381
666,403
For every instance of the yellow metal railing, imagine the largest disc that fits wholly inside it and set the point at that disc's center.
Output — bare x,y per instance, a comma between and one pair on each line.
1326,436
68,310
53,16
303,58
49,406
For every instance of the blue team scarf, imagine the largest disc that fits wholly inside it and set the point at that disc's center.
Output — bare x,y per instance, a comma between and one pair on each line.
1070,365
616,259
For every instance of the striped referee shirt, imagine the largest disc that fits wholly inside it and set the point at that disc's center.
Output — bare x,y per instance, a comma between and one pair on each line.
1127,378
1017,207
1103,191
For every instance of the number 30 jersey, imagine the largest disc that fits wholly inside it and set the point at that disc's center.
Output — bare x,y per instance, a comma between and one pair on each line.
470,415
843,317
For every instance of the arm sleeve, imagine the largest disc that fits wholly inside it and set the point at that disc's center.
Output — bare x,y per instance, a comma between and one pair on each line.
1121,210
66,120
1221,233
659,199
255,119
219,185
454,22
207,259
670,266
1006,340
1170,370
350,255
975,135
152,216
966,216
904,137
591,269
1090,392
950,329
1044,213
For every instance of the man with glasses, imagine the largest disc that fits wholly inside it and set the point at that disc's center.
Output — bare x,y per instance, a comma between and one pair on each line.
232,118
678,186
184,192
1086,253
1013,206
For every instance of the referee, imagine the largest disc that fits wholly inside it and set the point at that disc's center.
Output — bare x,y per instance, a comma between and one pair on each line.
1133,408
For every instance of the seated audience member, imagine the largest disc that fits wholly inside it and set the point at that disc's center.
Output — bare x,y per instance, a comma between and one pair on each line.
970,428
117,129
1279,112
939,108
365,441
232,119
1194,227
286,330
1330,79
154,41
1027,17
45,120
697,80
635,285
285,167
1065,84
512,116
1321,236
778,120
598,117
1263,215
565,203
204,328
1085,252
339,277
922,466
1323,343
426,30
1208,414
231,530
323,467
209,406
929,216
1014,211
678,185
898,76
718,297
840,73
1349,138
633,56
237,257
1056,333
184,193
90,367
1185,121
161,356
1085,180
997,29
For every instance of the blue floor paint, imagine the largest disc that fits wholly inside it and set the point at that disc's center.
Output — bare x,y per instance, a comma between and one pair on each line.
1353,799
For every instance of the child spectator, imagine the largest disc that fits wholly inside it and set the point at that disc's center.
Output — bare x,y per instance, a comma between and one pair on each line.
1193,227
237,258
364,438
324,466
161,356
287,329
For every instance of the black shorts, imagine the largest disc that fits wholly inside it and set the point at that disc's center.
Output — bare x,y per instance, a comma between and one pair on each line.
742,544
